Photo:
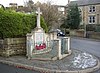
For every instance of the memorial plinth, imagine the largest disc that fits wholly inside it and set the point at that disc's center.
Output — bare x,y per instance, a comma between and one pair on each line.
46,46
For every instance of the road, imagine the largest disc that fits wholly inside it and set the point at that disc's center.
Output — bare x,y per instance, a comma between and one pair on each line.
87,45
90,46
10,69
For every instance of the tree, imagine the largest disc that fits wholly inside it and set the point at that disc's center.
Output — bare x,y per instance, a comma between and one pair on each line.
50,14
73,17
28,6
2,7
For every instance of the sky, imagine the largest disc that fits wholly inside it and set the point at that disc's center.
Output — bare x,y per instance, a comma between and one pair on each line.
21,2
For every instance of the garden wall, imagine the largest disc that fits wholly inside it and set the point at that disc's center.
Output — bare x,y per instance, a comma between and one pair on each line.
94,35
12,46
77,33
89,34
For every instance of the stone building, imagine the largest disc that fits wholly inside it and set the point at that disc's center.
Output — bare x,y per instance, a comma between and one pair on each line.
13,5
90,11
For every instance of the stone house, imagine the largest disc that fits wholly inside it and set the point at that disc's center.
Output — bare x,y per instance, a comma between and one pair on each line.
90,11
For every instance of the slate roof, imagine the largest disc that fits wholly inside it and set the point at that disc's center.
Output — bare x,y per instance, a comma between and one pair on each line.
85,2
25,9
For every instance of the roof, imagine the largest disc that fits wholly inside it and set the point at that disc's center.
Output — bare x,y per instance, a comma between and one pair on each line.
85,2
25,9
12,3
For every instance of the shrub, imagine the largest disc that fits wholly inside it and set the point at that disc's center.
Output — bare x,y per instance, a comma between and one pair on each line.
13,24
43,24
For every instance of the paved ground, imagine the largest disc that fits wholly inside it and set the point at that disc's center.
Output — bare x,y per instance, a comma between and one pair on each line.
88,45
10,69
72,63
85,45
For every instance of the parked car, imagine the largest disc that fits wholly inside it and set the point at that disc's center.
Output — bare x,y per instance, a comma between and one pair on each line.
59,32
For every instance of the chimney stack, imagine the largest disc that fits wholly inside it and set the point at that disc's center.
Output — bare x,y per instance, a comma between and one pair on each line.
68,1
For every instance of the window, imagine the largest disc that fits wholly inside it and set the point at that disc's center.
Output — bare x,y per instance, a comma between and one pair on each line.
91,19
92,9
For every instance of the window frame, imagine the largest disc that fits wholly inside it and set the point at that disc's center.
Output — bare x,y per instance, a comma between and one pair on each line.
91,19
92,9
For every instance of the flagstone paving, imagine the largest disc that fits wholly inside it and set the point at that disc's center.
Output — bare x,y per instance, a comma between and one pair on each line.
78,60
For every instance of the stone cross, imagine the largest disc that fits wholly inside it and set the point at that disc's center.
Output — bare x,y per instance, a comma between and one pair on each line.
38,17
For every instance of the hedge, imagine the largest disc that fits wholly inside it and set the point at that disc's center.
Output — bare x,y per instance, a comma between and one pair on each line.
13,24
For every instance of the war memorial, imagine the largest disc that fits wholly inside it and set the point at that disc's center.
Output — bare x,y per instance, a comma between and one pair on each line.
48,53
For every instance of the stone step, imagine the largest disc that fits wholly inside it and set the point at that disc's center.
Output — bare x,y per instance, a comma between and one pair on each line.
52,54
41,51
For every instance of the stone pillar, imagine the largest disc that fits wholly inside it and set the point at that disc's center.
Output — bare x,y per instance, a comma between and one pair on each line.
55,35
29,46
68,44
59,49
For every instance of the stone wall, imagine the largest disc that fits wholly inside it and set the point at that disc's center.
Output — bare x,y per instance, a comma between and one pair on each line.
12,46
77,33
94,35
89,34
80,33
